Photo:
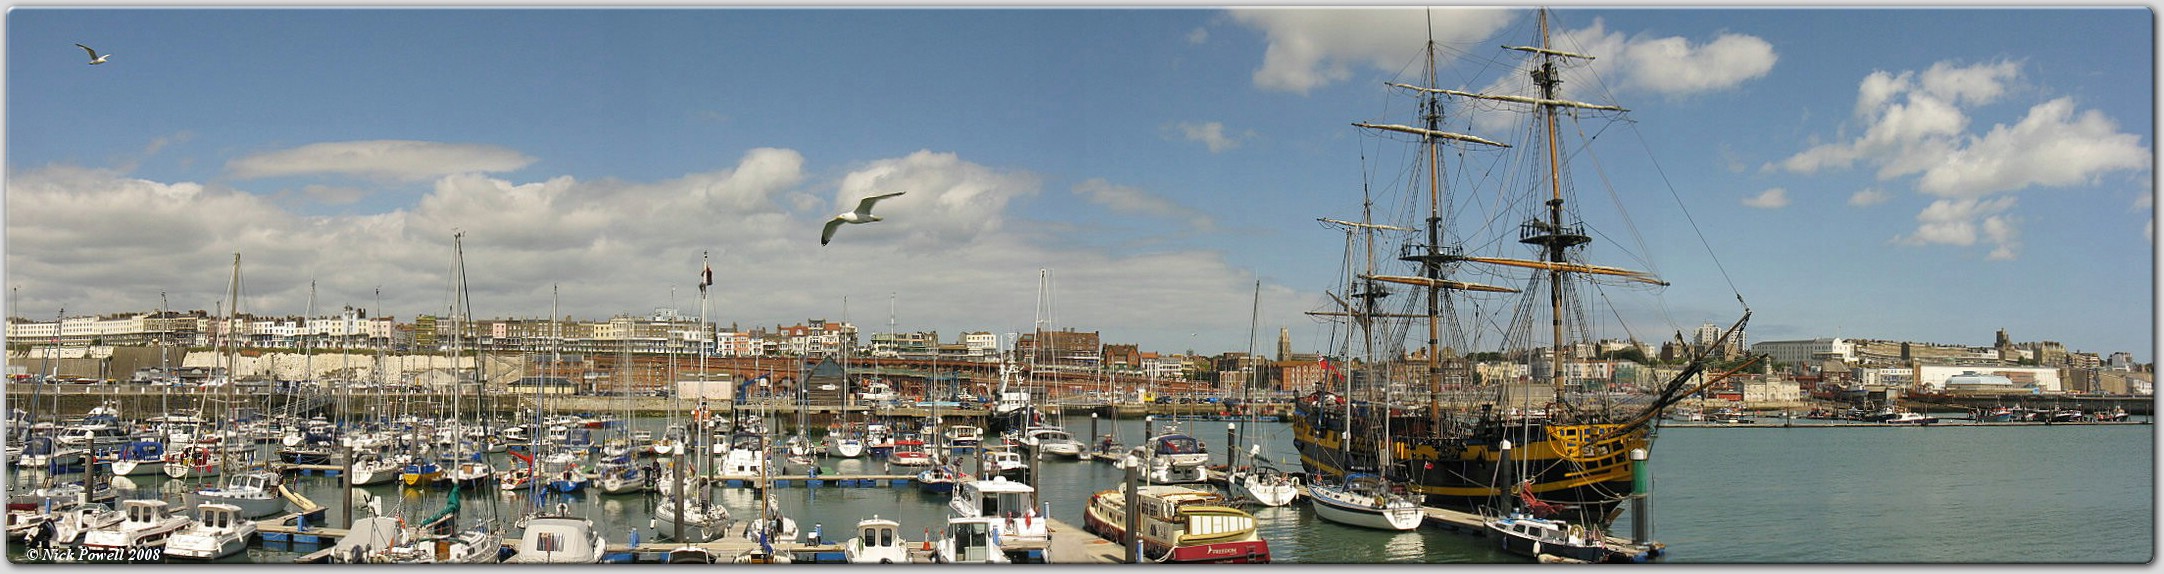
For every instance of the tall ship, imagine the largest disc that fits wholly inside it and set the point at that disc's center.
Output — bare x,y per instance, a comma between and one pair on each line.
1446,380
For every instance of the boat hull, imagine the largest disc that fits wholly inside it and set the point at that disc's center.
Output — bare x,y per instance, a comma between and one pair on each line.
1233,552
1580,467
1335,507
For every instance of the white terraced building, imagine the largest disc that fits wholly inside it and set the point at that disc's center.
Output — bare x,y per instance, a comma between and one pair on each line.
1810,350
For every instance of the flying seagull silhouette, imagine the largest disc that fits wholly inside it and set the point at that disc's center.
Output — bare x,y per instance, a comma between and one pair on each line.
95,59
862,214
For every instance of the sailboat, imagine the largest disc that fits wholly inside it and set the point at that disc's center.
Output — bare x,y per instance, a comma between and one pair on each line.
554,535
251,490
1268,486
1572,435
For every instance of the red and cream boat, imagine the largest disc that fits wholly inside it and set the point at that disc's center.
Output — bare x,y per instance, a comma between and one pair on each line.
1180,525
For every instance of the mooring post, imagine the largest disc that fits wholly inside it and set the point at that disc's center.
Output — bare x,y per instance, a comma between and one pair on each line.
347,477
1641,507
1132,510
1093,432
1232,451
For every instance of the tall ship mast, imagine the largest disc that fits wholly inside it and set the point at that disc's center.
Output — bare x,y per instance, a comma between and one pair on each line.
1492,345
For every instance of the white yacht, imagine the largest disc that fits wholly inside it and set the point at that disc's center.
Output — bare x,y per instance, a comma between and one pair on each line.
559,540
878,541
1014,503
148,523
219,531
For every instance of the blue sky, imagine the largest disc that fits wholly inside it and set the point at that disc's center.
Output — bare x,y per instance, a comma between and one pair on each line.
1924,174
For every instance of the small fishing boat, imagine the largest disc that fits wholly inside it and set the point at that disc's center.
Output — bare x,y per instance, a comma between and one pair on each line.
909,452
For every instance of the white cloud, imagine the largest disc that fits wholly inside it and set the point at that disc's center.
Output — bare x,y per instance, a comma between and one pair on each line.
1775,198
1673,66
1198,35
333,195
2051,147
1869,197
1310,48
1127,199
1961,221
952,250
1972,85
1668,66
1211,134
397,160
1918,125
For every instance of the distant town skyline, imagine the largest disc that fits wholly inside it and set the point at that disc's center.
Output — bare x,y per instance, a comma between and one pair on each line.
1930,174
358,323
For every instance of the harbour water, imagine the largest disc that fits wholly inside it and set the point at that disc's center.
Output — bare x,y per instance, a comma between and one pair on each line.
2032,494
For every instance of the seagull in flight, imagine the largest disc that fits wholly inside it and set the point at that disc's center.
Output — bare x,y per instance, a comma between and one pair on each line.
95,58
862,214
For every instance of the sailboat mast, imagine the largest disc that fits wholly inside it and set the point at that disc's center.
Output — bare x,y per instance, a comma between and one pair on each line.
1431,267
458,328
1546,78
232,366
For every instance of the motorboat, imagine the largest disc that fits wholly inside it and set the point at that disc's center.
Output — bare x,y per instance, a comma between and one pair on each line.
1526,535
219,531
558,539
1176,458
1013,502
71,523
1006,463
148,523
962,439
254,492
1052,441
909,452
969,540
878,541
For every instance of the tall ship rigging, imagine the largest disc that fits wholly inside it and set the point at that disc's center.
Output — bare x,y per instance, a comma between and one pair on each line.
1489,338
